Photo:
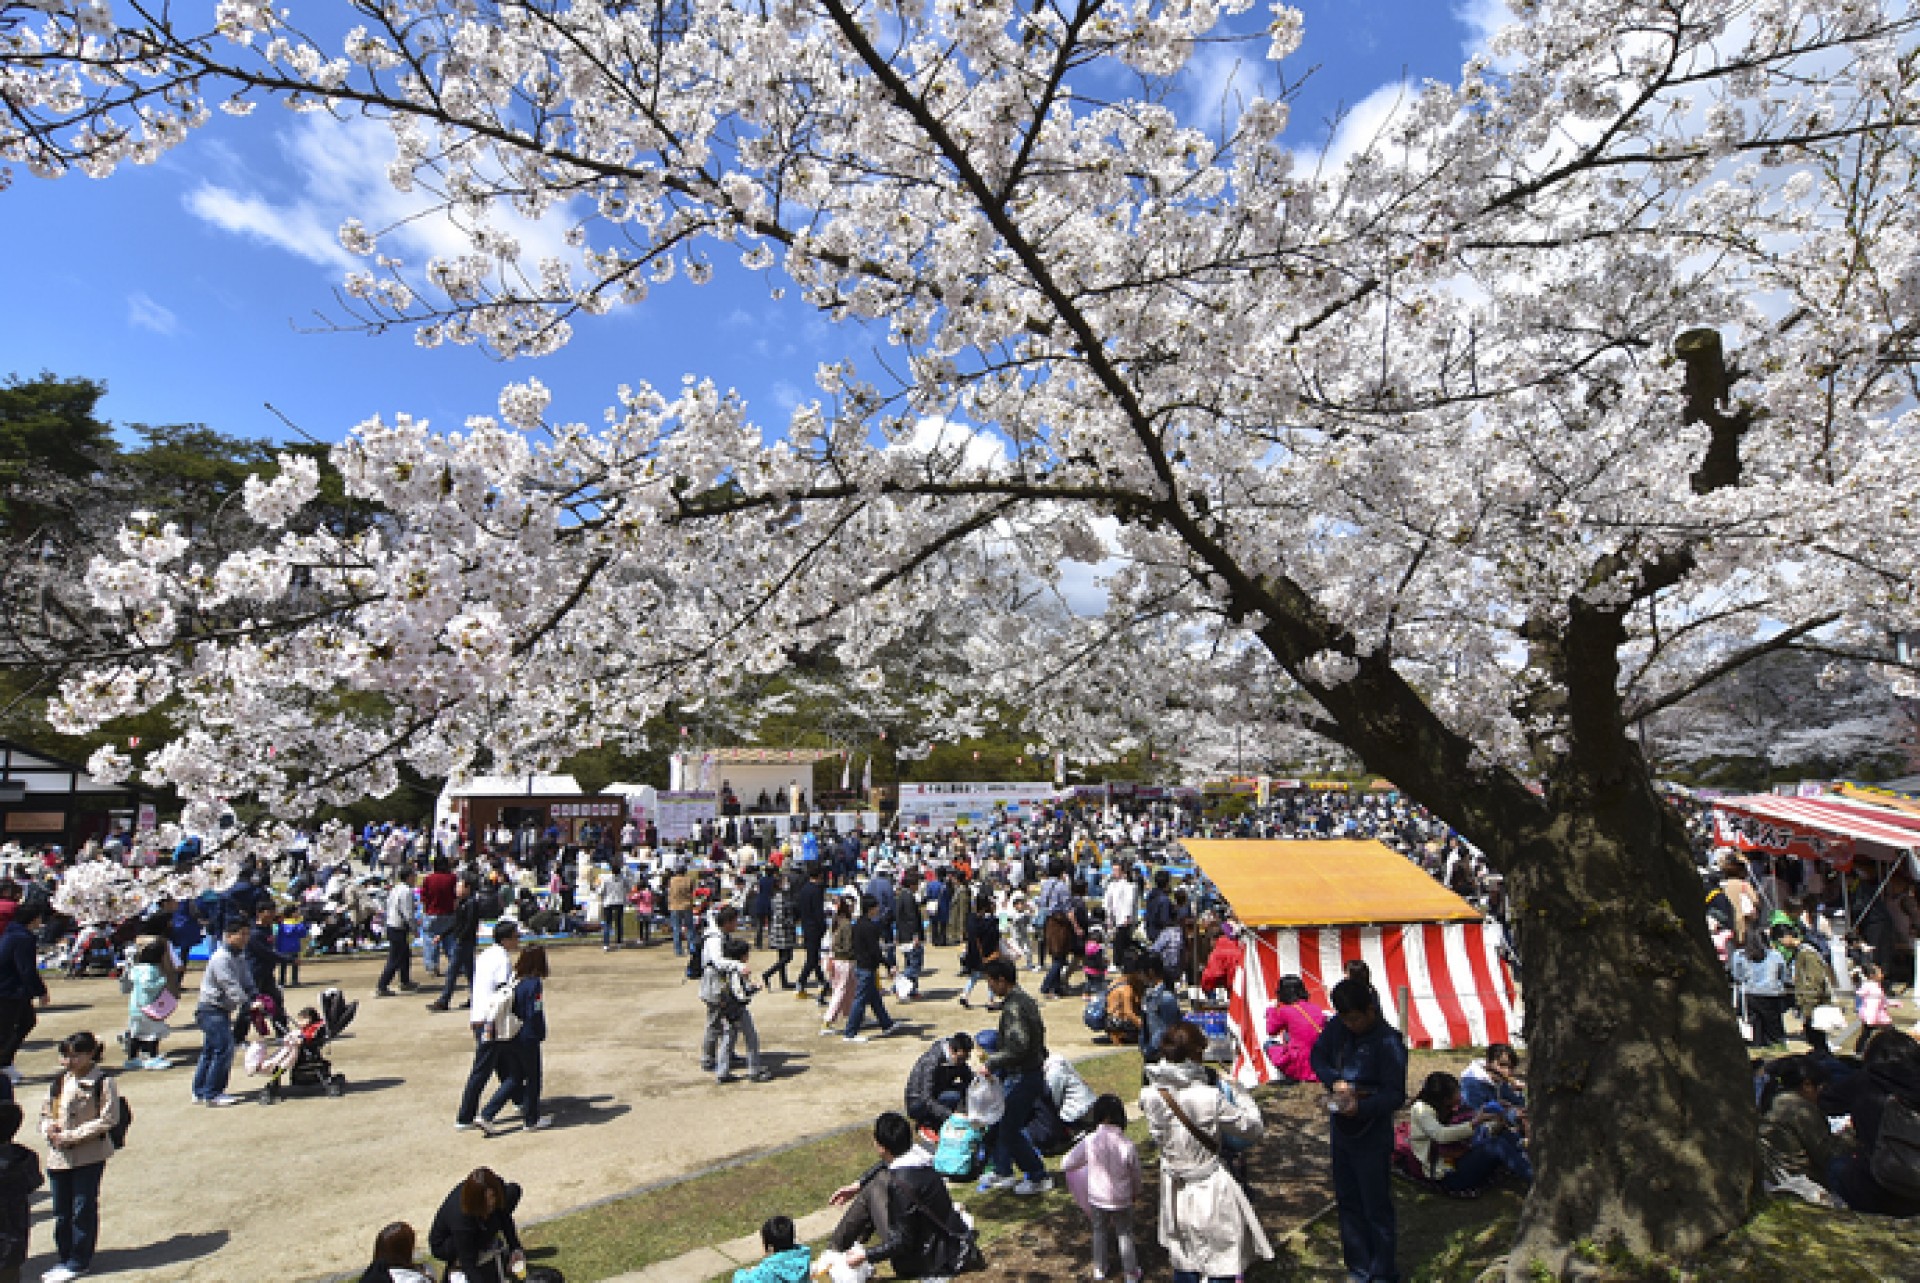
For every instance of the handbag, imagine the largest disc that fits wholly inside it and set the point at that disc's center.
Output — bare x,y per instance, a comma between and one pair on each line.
164,1004
1828,1019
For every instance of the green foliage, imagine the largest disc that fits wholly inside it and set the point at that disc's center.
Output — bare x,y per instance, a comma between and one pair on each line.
50,441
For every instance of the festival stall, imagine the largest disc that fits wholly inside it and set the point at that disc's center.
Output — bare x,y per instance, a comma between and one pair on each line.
1310,907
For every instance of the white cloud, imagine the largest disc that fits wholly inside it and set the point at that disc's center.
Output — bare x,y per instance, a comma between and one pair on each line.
145,314
341,168
1483,19
1218,81
1360,128
976,450
296,228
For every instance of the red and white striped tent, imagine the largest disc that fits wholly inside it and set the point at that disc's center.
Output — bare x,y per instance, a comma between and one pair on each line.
1312,907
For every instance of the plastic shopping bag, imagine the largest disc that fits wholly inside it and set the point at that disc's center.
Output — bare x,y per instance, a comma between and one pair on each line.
832,1267
986,1100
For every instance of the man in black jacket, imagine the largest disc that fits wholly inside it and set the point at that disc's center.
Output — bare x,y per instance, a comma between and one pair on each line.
462,935
938,1083
902,1204
810,910
868,938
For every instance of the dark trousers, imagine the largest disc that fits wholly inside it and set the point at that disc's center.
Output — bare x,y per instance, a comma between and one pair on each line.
519,1081
866,1215
76,1213
486,1060
810,962
1362,1185
781,958
1011,1145
1766,1012
459,967
399,958
1056,978
613,924
17,1019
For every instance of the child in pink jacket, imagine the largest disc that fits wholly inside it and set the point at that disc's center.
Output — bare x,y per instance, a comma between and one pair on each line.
1111,1184
1870,998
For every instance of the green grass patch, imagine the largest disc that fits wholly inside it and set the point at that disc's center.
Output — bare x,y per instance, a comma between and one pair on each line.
660,1224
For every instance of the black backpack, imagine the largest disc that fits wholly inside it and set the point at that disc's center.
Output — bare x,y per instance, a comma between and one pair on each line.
123,1117
1895,1161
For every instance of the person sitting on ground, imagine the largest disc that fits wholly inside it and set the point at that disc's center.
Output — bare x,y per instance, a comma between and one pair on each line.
393,1258
1124,1001
1457,1148
1494,1079
1890,1072
1796,1143
784,1263
473,1232
1159,1008
1223,963
1293,1023
937,1086
902,1205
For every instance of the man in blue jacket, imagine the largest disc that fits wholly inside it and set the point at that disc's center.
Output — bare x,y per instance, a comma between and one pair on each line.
1362,1060
20,985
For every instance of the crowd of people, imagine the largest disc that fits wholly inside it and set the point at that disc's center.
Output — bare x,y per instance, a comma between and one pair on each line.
1097,909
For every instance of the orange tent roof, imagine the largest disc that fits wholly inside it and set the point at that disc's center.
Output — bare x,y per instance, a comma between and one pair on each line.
1324,884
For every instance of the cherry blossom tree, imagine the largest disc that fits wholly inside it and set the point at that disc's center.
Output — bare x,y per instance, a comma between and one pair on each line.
1586,380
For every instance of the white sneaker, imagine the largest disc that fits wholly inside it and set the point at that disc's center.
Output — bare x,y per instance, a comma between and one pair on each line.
1041,1186
223,1100
546,1121
989,1183
857,1038
60,1274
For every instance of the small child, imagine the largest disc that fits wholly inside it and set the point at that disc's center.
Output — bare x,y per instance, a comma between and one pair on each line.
289,941
643,911
1870,997
785,1263
737,1020
1112,1184
19,1177
1095,967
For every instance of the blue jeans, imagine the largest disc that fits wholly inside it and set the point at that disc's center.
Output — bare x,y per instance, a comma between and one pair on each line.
1056,979
912,964
866,994
431,930
76,1213
1362,1185
486,1059
683,930
1011,1145
459,967
216,1053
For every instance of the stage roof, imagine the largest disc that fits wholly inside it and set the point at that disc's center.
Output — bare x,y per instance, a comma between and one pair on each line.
1324,884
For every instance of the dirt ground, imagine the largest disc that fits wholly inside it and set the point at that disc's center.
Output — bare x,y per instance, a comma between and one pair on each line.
297,1190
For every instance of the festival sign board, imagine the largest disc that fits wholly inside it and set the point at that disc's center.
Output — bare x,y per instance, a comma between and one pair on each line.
969,805
1745,830
681,814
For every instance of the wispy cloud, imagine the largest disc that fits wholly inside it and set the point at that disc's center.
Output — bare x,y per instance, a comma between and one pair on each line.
1217,84
342,168
1483,19
143,313
296,227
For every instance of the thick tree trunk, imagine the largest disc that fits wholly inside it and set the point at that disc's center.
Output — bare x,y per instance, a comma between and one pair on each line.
1643,1121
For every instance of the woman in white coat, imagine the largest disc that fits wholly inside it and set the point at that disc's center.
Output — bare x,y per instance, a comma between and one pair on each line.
1206,1224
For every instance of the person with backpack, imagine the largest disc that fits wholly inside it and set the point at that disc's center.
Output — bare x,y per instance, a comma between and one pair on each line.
903,1205
19,1177
1882,1173
80,1115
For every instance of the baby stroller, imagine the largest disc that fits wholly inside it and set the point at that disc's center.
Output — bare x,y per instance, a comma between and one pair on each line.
299,1060
336,1011
92,950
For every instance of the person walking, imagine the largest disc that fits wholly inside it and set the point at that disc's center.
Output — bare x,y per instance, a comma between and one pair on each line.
780,934
839,968
869,945
713,962
461,940
520,1055
614,890
810,911
403,917
225,991
21,989
82,1108
910,931
439,896
1362,1061
492,973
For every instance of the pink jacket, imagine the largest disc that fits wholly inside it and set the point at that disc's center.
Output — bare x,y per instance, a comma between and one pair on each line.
1302,1023
1871,999
1113,1167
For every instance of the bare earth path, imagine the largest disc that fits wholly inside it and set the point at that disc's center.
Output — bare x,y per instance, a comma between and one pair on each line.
297,1190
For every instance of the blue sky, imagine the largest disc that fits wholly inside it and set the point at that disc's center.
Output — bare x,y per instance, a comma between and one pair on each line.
201,288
